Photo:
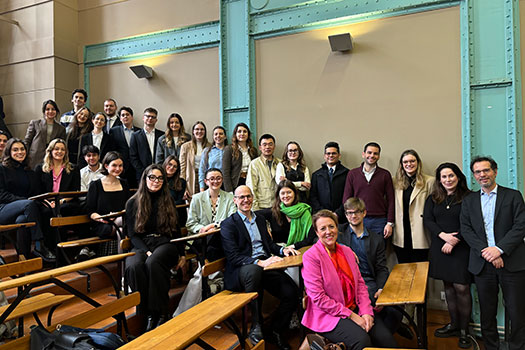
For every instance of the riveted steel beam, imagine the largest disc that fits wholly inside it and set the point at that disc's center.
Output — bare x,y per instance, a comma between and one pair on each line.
153,44
321,14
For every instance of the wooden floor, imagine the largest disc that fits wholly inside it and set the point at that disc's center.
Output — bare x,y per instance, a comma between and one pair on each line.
220,337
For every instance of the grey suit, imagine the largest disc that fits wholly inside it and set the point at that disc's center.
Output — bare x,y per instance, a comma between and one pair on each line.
36,139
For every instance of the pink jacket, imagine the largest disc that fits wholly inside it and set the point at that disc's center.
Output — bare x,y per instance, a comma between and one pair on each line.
325,300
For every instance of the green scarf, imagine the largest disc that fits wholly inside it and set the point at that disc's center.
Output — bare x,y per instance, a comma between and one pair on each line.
300,223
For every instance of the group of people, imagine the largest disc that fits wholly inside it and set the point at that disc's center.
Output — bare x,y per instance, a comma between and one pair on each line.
267,208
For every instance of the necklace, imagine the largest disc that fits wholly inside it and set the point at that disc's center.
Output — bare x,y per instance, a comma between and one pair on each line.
448,204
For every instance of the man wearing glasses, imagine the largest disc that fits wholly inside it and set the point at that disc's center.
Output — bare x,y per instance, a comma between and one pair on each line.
328,183
493,225
142,143
249,249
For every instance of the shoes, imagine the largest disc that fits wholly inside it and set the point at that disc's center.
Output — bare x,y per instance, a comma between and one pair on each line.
446,332
45,254
152,322
85,254
256,334
278,340
405,331
464,340
162,319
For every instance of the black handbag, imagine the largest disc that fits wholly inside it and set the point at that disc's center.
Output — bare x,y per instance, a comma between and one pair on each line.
68,337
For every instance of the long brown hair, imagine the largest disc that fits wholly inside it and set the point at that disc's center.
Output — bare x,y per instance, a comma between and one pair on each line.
439,194
300,159
401,180
205,142
252,151
168,140
166,213
176,184
8,161
76,130
276,207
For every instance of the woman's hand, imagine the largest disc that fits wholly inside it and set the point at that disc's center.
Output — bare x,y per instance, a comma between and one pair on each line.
96,217
358,320
450,238
447,248
369,322
148,253
306,185
50,204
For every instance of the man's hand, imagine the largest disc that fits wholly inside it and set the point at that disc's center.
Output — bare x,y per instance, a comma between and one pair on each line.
269,261
490,254
181,263
447,248
387,231
498,263
290,251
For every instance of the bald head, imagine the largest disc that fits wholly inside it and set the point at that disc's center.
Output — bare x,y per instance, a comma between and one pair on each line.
243,199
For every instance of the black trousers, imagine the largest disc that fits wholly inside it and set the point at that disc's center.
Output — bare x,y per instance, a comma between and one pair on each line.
150,276
20,211
512,284
355,337
407,255
253,278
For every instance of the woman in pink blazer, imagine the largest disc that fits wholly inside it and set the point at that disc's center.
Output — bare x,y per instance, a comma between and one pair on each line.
337,303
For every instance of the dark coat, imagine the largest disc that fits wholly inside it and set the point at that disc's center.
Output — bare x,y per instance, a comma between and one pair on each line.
139,152
326,195
231,167
106,146
237,246
375,253
509,229
69,182
10,190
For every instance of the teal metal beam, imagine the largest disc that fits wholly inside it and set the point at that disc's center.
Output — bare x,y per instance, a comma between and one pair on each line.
154,44
322,14
491,87
237,57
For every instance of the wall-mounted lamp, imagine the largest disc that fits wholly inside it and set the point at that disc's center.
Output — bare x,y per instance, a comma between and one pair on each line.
142,71
341,42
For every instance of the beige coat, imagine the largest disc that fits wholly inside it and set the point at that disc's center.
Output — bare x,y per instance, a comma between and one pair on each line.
36,137
420,236
262,182
187,166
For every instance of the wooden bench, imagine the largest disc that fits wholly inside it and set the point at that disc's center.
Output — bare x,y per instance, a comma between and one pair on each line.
186,328
33,304
84,320
407,284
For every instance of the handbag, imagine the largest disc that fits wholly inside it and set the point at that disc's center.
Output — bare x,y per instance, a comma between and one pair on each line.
73,338
317,342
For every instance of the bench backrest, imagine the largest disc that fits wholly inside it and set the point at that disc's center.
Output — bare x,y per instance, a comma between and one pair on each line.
69,220
214,266
83,320
20,267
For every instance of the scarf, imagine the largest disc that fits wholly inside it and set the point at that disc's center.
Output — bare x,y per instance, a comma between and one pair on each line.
346,277
300,216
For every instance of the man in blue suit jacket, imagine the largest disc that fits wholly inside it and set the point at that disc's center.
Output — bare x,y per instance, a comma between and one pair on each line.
493,225
249,249
121,135
143,142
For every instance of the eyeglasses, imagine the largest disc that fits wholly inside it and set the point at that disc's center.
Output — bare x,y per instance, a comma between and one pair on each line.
154,178
212,179
243,197
149,116
482,171
351,213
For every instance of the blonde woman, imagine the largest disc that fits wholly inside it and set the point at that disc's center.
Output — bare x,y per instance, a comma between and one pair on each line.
190,157
169,144
58,174
412,187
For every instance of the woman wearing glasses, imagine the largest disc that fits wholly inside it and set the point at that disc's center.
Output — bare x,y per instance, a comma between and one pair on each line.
412,187
293,168
151,220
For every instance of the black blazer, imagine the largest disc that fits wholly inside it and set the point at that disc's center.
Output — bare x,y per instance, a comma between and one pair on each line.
106,146
328,195
120,143
69,182
10,186
509,229
237,246
139,153
375,255
107,129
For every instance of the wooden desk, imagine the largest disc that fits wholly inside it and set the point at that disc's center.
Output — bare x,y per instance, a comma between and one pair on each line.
289,261
27,283
186,328
407,284
56,196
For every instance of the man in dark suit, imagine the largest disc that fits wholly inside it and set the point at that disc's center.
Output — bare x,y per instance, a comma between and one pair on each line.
369,248
328,182
143,143
493,225
121,135
110,108
249,249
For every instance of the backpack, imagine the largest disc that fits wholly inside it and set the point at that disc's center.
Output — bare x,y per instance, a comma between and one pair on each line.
73,338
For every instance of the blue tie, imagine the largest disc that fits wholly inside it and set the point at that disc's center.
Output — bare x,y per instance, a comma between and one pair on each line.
331,173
